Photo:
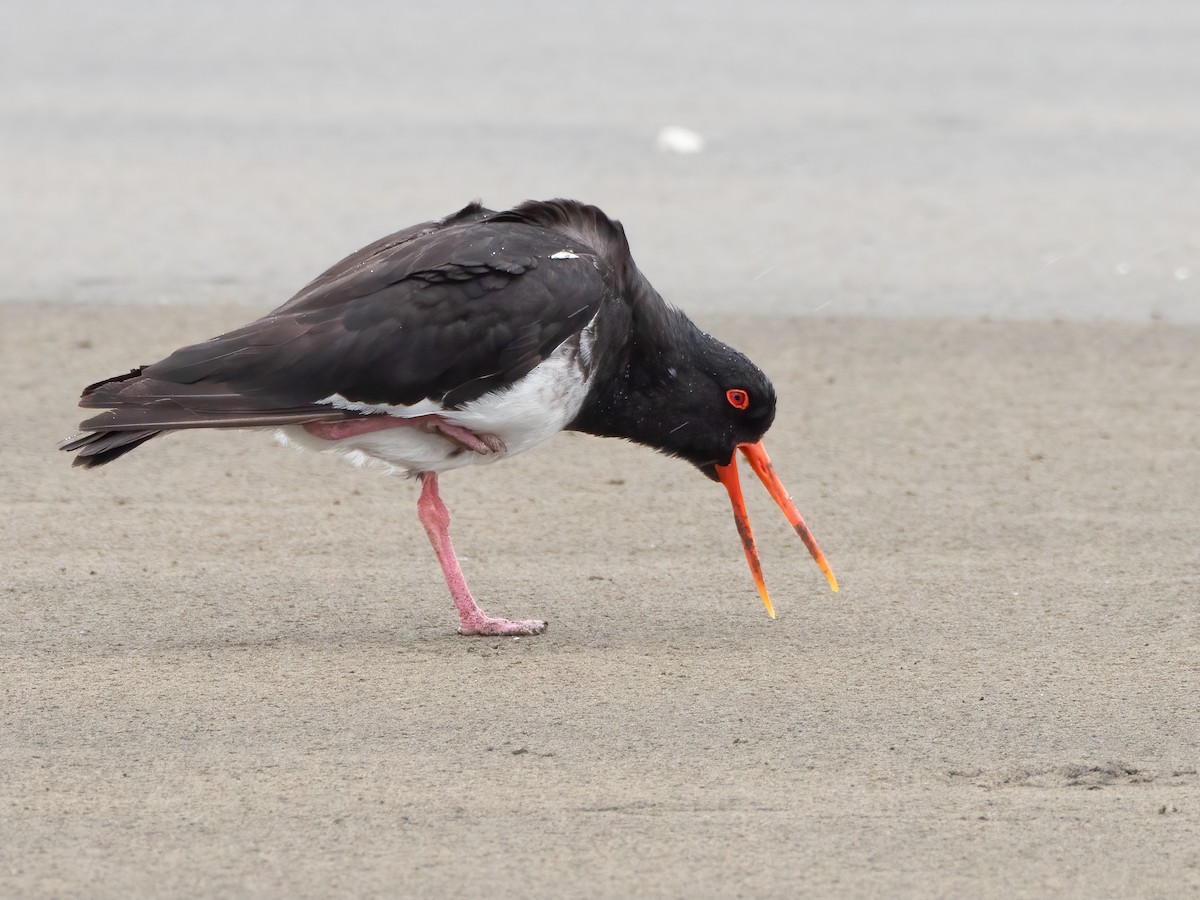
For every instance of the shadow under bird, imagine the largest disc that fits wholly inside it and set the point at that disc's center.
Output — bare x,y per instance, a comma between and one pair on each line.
460,342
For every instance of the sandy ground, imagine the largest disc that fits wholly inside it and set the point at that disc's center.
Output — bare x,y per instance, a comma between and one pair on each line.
230,669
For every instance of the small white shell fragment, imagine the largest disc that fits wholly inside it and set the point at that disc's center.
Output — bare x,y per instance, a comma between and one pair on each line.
676,139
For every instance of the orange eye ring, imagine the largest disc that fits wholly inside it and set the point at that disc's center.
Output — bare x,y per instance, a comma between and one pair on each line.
737,398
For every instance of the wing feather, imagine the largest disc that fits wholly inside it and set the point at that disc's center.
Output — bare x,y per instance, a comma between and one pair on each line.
443,311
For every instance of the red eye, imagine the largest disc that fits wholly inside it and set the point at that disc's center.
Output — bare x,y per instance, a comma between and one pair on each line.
738,399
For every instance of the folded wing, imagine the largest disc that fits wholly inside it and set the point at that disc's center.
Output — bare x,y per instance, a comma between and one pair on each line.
445,311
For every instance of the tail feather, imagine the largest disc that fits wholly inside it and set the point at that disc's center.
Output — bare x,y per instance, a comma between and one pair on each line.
140,407
100,447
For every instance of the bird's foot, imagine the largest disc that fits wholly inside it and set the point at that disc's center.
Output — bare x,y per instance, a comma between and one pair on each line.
483,443
486,625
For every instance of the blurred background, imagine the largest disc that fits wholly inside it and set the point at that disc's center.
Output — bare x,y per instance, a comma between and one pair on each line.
1027,158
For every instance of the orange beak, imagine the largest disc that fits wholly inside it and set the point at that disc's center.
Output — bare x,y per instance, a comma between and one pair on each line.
756,455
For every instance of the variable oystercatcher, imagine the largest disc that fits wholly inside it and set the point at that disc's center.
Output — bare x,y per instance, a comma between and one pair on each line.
465,341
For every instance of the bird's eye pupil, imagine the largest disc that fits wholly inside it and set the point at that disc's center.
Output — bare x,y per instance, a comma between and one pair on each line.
737,398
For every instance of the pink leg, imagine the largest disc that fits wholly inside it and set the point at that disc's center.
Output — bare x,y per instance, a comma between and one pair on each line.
482,444
472,620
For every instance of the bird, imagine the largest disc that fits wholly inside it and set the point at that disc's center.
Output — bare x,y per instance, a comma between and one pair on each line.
464,341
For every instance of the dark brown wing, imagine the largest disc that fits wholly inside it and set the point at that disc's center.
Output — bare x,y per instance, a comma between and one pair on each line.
443,311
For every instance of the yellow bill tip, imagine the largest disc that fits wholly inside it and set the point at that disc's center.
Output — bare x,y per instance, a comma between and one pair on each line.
829,576
761,463
762,592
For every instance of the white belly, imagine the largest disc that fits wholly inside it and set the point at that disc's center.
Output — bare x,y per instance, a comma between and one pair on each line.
523,415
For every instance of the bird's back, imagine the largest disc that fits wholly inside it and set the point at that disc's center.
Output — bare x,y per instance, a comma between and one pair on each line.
444,312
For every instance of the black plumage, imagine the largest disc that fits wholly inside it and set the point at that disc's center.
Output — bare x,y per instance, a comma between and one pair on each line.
446,311
455,313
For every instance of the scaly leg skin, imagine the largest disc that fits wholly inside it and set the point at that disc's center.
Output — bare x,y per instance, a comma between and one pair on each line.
472,620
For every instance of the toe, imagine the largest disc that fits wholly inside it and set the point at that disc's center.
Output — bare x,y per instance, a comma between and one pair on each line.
503,627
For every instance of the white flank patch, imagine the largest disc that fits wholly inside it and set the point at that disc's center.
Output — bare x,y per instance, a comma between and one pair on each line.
564,254
522,415
535,408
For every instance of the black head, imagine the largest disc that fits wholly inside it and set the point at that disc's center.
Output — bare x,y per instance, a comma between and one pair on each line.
723,404
690,396
704,404
660,381
718,402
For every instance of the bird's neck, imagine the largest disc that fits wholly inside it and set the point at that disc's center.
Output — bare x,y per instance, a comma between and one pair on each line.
642,354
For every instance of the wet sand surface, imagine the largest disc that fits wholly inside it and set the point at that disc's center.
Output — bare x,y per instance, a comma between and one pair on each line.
230,668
